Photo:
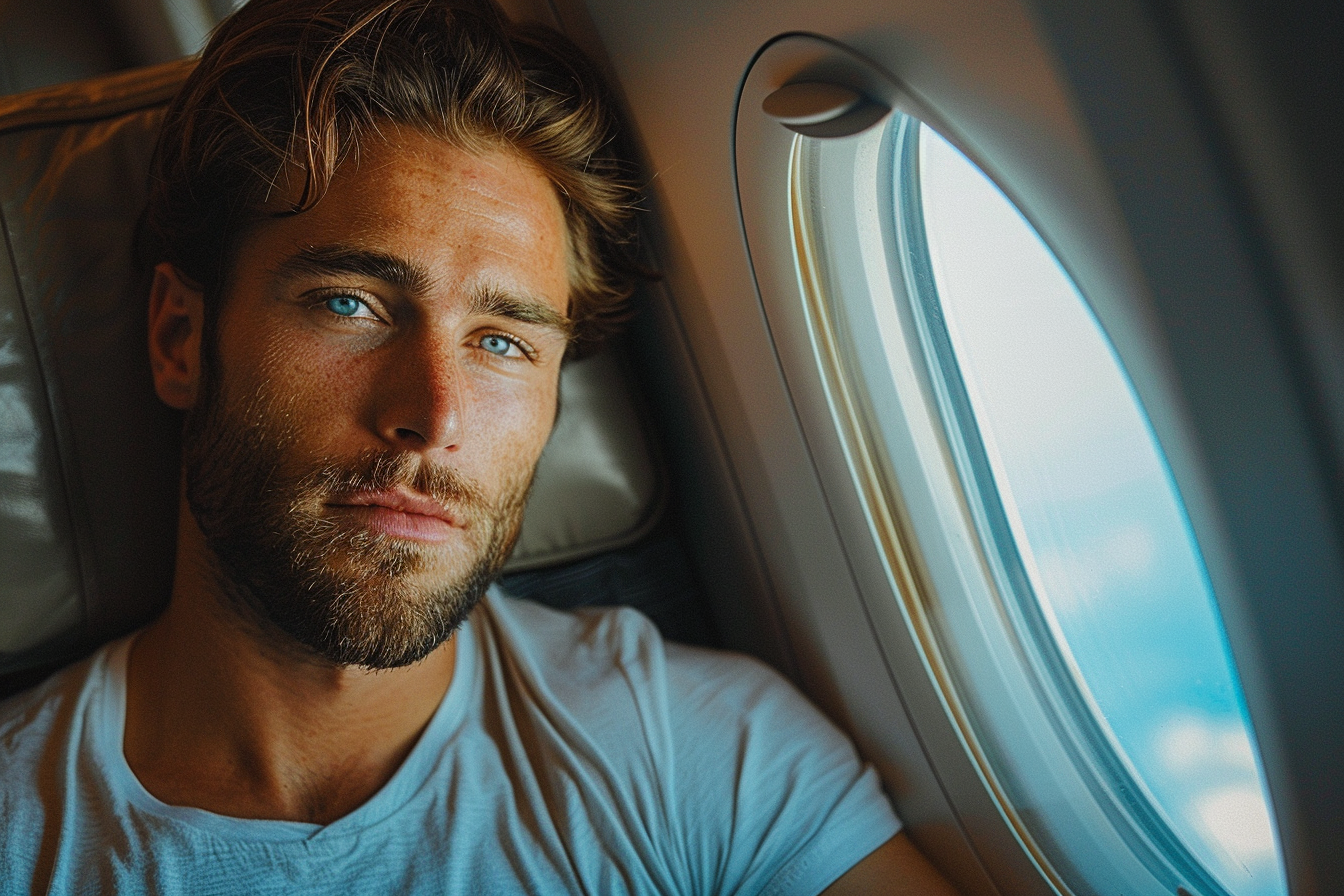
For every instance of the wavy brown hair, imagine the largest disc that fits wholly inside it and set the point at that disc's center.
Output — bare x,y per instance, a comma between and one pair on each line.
294,86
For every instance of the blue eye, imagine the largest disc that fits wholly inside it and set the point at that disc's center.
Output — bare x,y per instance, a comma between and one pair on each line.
346,306
498,345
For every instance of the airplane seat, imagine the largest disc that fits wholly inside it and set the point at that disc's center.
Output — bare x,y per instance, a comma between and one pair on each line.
89,456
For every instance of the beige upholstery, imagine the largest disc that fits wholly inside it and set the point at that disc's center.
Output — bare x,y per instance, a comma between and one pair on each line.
88,456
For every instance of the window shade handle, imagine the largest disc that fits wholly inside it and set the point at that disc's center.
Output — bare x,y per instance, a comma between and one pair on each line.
823,109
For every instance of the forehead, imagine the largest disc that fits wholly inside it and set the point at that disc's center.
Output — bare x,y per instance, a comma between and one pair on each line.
460,215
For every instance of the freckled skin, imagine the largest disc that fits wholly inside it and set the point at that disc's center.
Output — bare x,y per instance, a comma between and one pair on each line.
419,382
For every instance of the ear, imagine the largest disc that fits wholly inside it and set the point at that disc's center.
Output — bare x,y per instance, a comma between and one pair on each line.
176,316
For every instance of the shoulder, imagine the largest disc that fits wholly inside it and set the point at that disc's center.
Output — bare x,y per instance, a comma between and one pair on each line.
716,711
566,635
588,646
45,724
39,733
29,718
759,789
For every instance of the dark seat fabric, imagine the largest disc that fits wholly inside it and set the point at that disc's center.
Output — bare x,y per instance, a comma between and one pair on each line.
89,456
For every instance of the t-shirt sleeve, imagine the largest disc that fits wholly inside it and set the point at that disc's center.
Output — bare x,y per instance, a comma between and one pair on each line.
791,807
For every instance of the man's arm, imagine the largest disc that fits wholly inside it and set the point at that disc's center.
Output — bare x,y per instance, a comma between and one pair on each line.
896,868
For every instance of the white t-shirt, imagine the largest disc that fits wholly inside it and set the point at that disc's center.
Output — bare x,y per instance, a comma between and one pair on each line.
573,753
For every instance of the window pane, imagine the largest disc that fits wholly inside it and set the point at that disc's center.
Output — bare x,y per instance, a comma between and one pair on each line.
1096,522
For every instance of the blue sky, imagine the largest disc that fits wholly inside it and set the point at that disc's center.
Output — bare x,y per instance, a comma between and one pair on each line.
1098,521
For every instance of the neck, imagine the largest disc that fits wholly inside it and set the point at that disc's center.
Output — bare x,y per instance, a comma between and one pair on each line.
223,717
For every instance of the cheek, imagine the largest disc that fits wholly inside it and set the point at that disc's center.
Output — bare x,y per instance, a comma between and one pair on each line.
312,390
519,417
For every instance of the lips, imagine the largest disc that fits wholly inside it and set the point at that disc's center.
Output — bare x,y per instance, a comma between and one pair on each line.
402,513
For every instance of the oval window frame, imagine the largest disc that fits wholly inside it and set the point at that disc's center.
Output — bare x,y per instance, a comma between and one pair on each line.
980,777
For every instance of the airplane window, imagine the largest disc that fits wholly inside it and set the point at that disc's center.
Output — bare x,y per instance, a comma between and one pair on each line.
1030,529
1088,526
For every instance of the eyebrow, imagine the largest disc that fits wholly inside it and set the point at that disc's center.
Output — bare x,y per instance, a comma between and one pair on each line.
413,280
318,261
491,302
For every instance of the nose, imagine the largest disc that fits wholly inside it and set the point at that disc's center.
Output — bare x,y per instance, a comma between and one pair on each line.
421,399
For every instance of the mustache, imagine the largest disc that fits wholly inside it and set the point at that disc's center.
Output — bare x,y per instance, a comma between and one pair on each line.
376,470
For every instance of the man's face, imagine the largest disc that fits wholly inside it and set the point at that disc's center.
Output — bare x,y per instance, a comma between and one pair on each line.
383,383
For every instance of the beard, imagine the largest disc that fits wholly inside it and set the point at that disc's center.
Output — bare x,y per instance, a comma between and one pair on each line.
343,592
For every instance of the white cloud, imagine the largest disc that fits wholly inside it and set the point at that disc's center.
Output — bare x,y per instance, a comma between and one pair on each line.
1214,789
1191,743
1237,820
1184,744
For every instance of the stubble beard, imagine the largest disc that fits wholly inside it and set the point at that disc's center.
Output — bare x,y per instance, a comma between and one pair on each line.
302,576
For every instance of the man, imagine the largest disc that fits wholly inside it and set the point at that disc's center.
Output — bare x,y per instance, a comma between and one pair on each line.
376,229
